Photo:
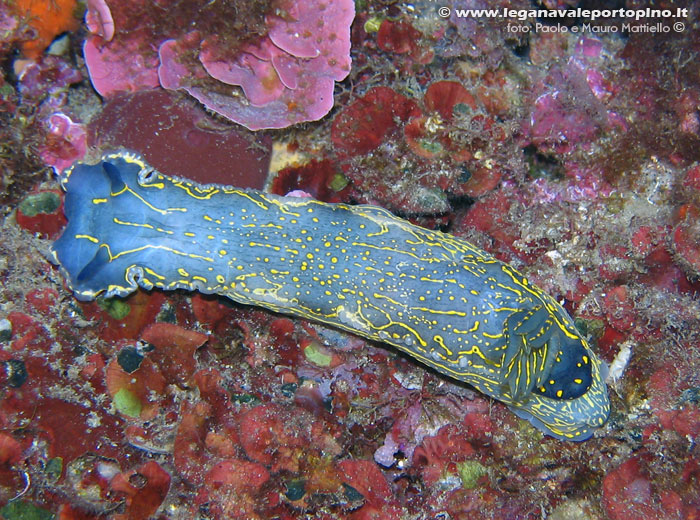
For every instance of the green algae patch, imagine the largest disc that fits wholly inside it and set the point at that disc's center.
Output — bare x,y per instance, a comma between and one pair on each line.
590,327
247,399
432,147
54,469
21,510
127,403
470,471
317,355
296,489
115,307
338,182
45,202
373,24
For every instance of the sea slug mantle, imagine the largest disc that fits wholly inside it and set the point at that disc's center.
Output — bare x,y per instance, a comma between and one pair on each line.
434,296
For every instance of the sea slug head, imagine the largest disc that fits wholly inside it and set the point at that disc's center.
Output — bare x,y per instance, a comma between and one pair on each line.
82,250
573,401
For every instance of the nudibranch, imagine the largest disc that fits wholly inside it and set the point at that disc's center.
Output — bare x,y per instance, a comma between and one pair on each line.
434,296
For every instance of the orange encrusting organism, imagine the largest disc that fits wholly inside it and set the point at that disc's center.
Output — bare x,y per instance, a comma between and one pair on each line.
45,19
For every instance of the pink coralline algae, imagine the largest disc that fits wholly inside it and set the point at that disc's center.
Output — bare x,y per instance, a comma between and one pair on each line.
45,85
66,142
570,109
46,77
286,71
628,493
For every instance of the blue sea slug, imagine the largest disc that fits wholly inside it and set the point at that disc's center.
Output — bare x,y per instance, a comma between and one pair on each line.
434,296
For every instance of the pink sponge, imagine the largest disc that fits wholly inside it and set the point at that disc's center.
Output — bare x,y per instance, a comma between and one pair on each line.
286,76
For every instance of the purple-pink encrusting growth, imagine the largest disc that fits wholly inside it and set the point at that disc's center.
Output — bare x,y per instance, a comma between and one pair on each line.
99,19
119,70
46,78
66,142
114,68
571,108
285,77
